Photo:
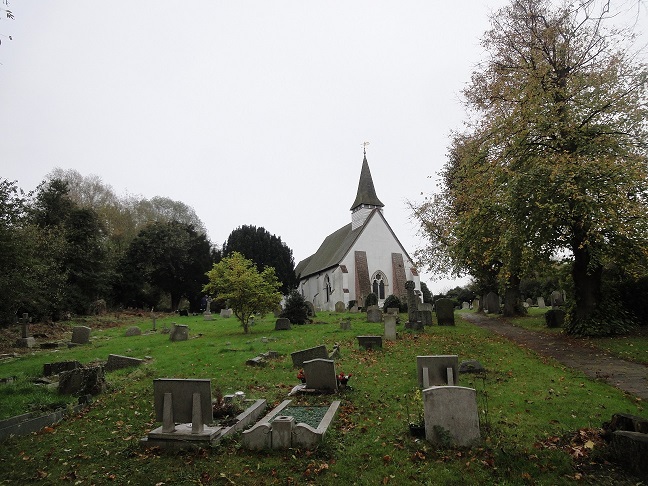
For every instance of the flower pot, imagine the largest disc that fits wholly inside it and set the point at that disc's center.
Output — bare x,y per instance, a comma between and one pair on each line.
343,381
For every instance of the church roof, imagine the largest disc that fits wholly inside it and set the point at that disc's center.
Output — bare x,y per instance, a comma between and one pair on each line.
366,191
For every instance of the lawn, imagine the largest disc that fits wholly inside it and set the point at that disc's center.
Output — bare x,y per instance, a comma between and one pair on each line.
535,414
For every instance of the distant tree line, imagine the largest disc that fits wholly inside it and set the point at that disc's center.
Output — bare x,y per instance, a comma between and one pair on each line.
73,247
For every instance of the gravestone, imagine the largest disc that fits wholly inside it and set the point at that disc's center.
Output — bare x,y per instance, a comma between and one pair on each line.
465,305
80,335
529,302
320,374
492,303
207,315
475,304
283,324
118,362
25,340
310,312
556,299
412,301
471,366
451,416
50,369
298,357
340,307
354,309
369,342
437,370
541,303
390,327
374,314
82,381
425,317
393,311
179,332
133,331
555,318
425,306
226,313
345,324
445,312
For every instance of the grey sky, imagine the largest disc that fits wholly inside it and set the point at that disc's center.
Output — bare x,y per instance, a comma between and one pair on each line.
251,112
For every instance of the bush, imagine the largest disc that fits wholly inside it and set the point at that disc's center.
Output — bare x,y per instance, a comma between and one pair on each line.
352,303
372,299
392,301
296,309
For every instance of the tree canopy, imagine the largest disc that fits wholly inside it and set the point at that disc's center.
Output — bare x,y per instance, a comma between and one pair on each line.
553,158
236,279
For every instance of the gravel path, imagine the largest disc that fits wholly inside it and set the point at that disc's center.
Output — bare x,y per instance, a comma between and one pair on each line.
595,363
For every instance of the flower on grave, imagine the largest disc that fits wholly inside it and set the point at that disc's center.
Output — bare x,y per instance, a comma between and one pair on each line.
301,376
342,378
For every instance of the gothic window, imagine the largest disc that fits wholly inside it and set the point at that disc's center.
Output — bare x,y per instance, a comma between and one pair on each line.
379,284
327,287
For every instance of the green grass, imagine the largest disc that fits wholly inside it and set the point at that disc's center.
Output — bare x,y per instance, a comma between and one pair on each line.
523,400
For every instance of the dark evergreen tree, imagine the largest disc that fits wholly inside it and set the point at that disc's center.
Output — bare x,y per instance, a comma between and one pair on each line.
296,309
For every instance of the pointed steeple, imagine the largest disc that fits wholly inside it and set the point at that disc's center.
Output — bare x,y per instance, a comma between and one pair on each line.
366,192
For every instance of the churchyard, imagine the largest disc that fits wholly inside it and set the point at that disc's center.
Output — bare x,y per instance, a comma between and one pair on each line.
538,420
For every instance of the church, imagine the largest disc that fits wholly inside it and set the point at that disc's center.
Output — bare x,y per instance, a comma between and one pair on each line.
362,257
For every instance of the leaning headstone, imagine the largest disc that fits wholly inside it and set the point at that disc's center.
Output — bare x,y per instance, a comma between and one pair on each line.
80,335
451,416
374,314
118,362
133,331
345,324
492,303
541,303
425,317
471,366
339,306
555,318
179,332
412,301
369,342
283,324
82,381
256,361
335,353
298,357
390,327
437,370
445,312
557,299
320,375
25,340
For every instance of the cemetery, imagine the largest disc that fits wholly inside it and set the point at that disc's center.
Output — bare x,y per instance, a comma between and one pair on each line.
482,405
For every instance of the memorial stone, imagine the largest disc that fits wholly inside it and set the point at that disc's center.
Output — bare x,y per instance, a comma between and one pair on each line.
25,340
445,312
541,303
80,335
451,414
283,324
374,314
298,357
179,332
320,374
390,327
492,303
425,317
412,301
433,370
340,307
133,331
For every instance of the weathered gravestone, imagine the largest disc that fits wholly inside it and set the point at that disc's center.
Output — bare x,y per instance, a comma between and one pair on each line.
298,357
50,369
207,315
529,302
541,303
374,314
80,335
320,375
354,309
451,416
465,305
445,312
437,370
425,306
475,304
390,327
310,312
492,303
118,362
133,331
340,307
369,342
25,340
471,366
283,324
179,332
556,299
412,301
89,380
345,324
555,318
226,313
425,317
393,311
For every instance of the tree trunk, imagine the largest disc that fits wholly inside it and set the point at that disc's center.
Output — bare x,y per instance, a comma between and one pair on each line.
512,303
587,284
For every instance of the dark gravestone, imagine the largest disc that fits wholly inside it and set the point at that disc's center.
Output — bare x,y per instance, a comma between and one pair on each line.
471,366
555,318
492,303
425,317
50,369
81,335
370,342
374,314
179,332
298,357
412,301
445,312
82,381
182,392
283,324
118,362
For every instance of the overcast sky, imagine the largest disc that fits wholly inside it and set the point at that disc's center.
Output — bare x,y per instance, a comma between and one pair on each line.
250,112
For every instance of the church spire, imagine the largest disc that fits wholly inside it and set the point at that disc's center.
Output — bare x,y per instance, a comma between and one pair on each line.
366,192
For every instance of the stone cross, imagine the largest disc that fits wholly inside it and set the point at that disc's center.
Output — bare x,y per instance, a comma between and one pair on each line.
24,323
412,301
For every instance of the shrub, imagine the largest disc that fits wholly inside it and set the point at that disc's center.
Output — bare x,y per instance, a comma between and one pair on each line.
372,299
296,309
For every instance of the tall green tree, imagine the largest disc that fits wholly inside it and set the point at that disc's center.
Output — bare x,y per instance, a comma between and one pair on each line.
559,109
236,279
265,250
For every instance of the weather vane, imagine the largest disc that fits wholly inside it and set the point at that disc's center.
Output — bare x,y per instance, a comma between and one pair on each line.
364,147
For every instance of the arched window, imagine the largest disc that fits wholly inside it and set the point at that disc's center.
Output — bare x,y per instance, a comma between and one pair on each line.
379,284
327,287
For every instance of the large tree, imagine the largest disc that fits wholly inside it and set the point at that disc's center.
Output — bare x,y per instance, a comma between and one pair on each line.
265,250
236,279
559,123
